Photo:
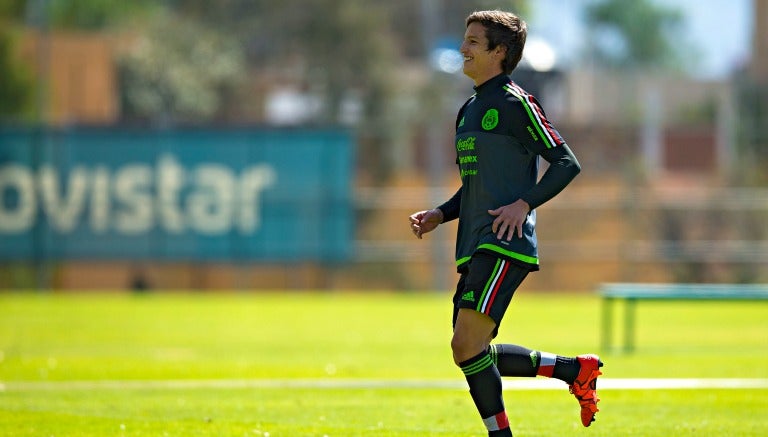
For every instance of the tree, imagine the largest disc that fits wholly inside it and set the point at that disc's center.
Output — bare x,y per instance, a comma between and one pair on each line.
340,51
179,70
16,85
12,10
96,14
635,33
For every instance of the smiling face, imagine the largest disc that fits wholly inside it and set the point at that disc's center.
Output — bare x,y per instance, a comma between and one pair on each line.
480,64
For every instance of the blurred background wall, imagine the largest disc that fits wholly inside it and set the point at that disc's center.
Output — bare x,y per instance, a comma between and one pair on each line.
664,103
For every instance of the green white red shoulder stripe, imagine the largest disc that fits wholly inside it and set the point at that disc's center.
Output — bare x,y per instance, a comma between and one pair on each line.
543,127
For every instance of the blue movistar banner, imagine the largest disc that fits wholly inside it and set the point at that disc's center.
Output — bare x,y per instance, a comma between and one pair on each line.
213,195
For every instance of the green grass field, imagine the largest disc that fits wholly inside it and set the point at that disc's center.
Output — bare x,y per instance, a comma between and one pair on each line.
315,364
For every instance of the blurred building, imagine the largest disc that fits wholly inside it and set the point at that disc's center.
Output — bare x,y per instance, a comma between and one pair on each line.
78,74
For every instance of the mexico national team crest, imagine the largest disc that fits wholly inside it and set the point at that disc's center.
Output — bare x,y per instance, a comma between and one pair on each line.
490,119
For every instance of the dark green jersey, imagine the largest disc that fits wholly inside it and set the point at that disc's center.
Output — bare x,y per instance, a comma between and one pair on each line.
500,133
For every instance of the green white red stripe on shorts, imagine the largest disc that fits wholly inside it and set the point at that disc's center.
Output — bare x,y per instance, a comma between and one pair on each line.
492,286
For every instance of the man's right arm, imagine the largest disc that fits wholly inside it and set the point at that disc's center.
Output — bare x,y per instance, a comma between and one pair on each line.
451,208
426,221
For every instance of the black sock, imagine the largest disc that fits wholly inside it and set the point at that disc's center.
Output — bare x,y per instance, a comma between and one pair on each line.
566,369
514,360
485,387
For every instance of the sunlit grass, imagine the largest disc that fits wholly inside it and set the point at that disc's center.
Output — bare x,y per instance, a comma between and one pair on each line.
45,338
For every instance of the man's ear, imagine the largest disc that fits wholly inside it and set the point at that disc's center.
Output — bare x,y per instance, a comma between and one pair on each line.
501,51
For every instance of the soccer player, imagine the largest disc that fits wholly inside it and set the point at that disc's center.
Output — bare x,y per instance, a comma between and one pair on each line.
501,132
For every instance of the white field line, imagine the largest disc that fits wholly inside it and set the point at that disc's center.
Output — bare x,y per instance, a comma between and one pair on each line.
341,383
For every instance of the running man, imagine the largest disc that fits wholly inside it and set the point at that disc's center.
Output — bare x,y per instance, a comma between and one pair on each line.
501,132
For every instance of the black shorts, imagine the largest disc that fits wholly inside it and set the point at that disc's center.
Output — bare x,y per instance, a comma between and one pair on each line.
487,286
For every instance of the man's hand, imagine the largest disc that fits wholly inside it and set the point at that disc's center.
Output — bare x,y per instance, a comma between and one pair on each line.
510,219
425,221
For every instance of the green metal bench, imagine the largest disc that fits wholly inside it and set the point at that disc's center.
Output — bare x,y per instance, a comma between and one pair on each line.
631,293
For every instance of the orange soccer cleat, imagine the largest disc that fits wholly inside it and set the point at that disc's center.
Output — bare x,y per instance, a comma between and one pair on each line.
585,387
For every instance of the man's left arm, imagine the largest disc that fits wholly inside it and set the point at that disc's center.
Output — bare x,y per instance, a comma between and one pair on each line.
563,167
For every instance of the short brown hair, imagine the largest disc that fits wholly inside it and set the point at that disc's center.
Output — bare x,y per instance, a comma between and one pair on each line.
505,29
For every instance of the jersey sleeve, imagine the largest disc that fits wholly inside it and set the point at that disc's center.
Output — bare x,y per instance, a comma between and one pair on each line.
451,207
529,123
563,167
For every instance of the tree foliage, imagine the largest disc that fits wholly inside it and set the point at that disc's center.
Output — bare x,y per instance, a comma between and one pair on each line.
177,70
15,86
12,10
636,33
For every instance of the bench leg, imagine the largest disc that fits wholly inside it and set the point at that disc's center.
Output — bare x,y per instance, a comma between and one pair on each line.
629,326
606,333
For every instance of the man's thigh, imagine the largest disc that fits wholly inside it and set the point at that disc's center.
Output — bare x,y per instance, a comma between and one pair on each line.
487,287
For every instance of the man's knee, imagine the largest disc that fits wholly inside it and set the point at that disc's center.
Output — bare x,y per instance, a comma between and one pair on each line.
464,347
471,335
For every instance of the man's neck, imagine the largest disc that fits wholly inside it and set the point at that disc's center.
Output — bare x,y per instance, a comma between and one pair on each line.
480,82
